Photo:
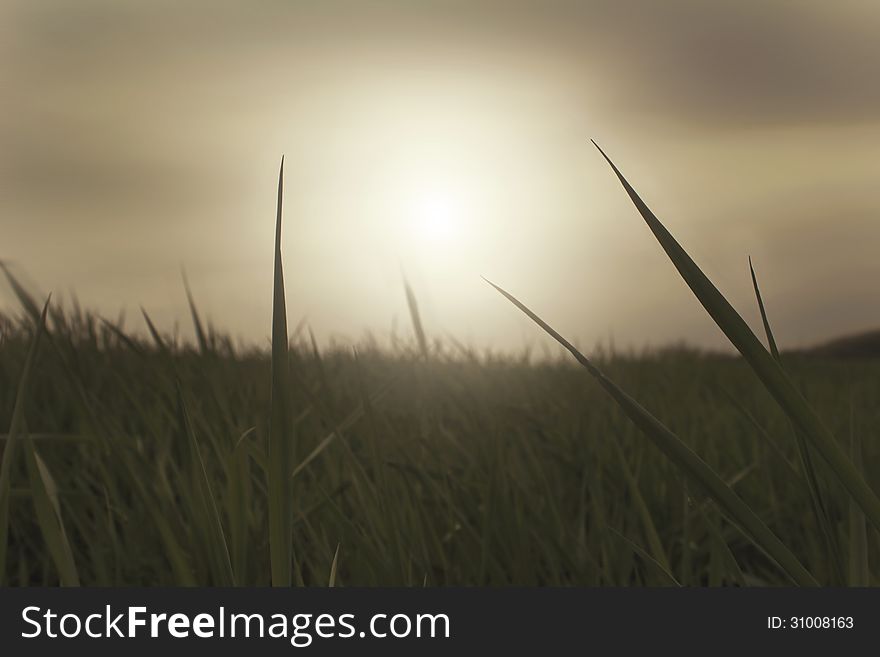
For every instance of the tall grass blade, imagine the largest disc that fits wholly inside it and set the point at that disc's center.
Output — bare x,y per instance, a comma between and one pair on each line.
16,431
859,573
119,333
685,459
764,365
154,332
771,341
280,424
416,318
45,496
24,298
238,501
820,508
210,515
201,335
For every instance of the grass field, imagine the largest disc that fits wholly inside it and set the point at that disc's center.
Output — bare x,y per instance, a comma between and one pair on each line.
142,460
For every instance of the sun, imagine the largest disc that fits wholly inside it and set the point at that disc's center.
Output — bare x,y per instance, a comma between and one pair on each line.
437,216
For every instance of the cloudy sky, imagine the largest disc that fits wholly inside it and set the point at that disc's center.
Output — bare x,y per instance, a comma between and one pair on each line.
449,140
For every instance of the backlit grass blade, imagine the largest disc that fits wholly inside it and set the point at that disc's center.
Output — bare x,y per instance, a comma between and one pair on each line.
201,336
764,365
685,459
16,430
820,508
771,341
416,318
157,338
280,424
48,513
24,298
126,340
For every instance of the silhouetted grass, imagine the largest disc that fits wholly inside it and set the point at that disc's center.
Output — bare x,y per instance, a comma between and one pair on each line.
150,461
498,473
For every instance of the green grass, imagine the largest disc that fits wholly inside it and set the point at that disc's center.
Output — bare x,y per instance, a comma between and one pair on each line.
280,444
132,458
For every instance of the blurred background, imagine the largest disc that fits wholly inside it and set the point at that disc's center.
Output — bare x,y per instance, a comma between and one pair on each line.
447,140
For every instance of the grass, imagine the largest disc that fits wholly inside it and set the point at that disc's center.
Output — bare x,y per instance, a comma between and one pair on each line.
148,461
280,453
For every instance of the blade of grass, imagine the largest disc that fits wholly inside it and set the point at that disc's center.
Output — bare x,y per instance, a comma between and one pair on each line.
239,496
48,512
102,430
342,427
763,364
157,338
16,430
686,552
333,566
684,458
715,533
859,573
416,318
119,333
280,423
820,508
770,442
648,526
201,336
774,351
216,539
661,568
24,298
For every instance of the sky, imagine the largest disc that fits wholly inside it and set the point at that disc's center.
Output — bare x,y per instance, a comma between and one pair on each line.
446,141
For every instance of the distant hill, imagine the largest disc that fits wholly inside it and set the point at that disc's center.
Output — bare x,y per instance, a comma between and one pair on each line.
860,345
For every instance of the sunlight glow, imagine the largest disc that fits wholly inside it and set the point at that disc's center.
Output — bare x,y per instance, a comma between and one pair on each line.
437,217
